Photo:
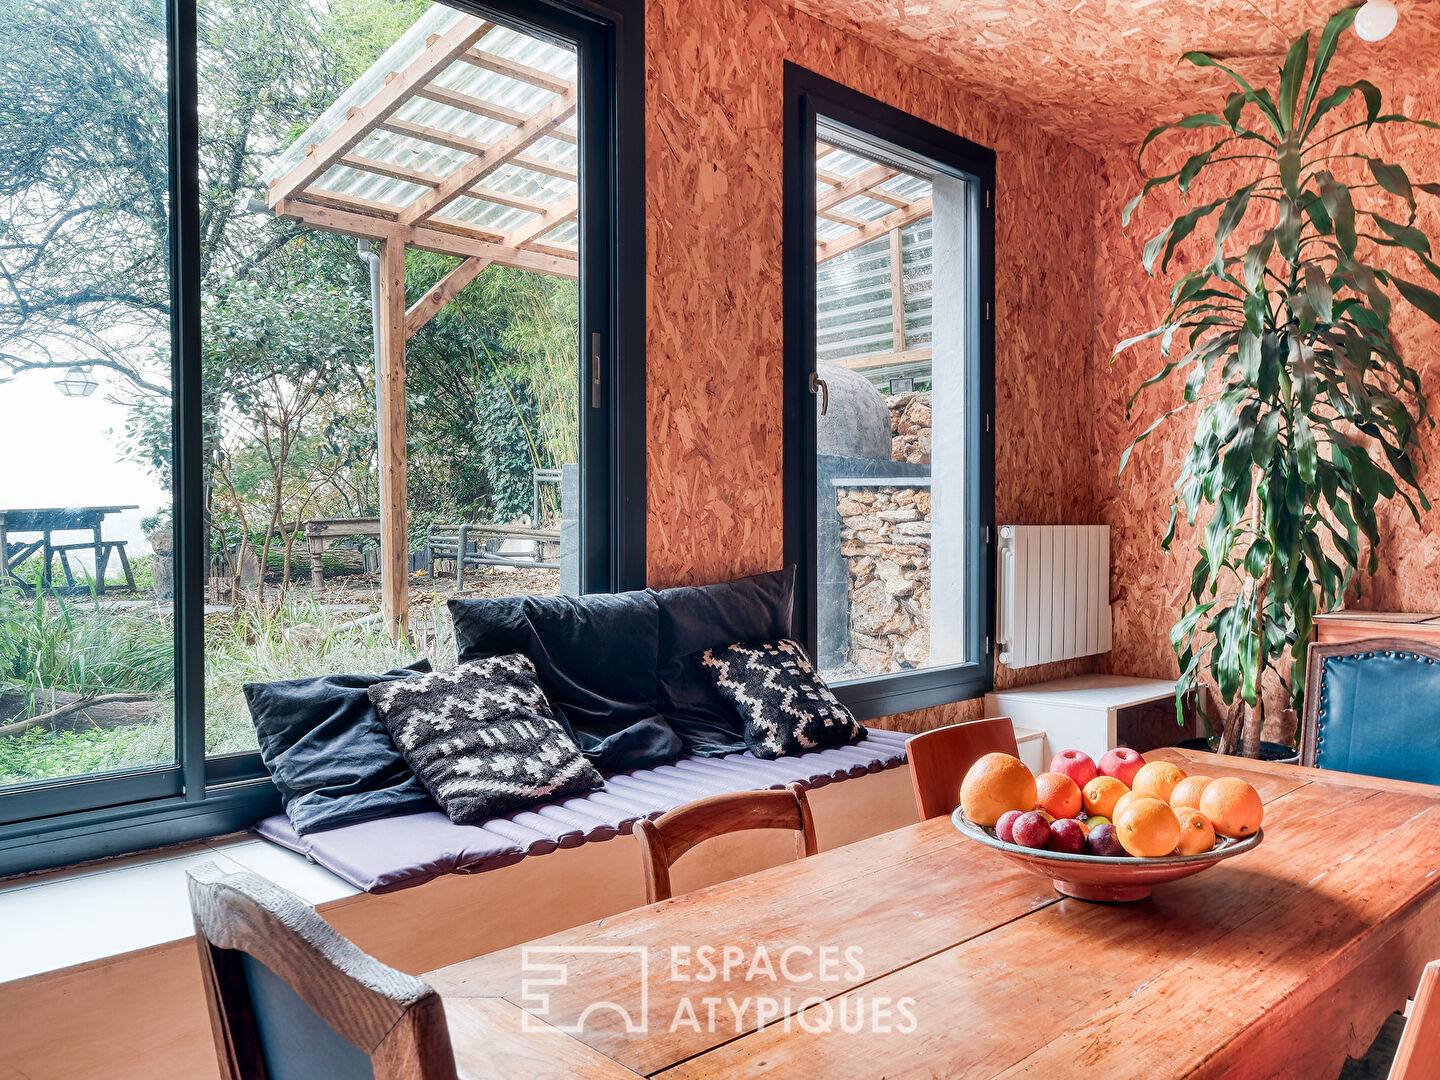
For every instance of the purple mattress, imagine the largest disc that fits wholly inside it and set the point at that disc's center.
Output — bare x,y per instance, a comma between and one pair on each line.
410,849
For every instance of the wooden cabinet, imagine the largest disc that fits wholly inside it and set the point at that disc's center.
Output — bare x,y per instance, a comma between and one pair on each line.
1357,625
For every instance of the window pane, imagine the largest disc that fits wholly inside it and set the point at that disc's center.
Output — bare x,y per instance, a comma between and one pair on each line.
296,396
86,631
892,489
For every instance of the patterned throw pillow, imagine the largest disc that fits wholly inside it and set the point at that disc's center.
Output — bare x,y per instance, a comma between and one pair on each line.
785,706
482,739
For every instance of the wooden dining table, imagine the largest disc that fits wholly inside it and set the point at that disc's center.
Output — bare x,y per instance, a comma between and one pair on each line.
921,953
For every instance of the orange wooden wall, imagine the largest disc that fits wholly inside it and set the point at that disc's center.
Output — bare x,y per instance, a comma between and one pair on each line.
714,105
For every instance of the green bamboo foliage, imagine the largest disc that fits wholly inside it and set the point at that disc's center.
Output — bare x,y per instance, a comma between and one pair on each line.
1305,414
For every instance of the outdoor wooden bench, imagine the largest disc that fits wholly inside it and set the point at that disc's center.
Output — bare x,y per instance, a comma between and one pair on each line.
446,543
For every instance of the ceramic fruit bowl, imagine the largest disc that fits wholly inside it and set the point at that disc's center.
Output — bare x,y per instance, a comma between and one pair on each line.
1097,877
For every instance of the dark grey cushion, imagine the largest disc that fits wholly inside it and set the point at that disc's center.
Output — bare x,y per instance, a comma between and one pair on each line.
595,656
328,751
482,738
699,617
786,707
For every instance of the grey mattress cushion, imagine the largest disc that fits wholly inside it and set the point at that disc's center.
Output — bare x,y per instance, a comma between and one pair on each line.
410,849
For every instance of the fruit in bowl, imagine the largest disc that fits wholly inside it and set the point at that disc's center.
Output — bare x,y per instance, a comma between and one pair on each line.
1079,766
1122,763
1031,830
996,783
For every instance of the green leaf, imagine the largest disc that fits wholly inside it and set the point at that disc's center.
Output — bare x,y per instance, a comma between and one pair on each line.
1256,259
1290,75
1336,25
1326,104
1407,236
1234,105
1420,296
1393,179
1305,455
1230,217
1287,232
1372,97
1192,167
1261,99
1317,292
1198,120
1290,163
1267,434
1341,210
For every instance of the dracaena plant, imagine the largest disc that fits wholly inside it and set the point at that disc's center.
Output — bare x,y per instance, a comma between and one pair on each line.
1305,413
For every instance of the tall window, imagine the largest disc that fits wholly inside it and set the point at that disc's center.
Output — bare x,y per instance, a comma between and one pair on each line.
888,360
311,317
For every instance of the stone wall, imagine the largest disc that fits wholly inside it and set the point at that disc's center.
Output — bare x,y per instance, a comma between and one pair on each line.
885,542
910,427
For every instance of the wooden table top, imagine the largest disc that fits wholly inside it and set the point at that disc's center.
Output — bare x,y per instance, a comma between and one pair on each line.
921,953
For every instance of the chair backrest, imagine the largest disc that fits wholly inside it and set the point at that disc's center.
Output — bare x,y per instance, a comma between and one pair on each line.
940,759
1373,707
669,836
1418,1055
290,998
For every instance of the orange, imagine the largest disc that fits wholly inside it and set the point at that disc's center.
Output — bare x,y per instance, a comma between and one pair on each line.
1197,835
1157,778
1100,795
1233,807
1187,791
1057,795
996,783
1148,828
1126,799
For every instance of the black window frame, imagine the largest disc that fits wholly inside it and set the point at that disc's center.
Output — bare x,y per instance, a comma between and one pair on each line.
52,824
809,96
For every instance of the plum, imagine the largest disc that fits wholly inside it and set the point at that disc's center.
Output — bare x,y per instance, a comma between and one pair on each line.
1103,841
1004,827
1067,836
1031,829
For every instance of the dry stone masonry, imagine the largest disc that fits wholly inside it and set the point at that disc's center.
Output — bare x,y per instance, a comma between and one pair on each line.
885,542
910,427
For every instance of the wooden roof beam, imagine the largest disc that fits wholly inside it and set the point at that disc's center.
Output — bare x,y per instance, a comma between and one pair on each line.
439,137
502,66
501,198
480,107
856,185
334,220
390,169
440,52
874,230
496,154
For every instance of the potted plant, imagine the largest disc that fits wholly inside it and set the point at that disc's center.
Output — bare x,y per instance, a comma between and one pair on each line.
1305,414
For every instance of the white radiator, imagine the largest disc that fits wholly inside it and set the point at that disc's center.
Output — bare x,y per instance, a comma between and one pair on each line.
1053,592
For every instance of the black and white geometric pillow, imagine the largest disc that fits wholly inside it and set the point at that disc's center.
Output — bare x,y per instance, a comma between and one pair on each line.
785,706
482,739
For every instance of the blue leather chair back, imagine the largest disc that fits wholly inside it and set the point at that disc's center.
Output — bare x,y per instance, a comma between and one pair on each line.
1373,707
295,1041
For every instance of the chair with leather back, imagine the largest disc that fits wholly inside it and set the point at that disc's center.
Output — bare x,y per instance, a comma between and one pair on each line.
1373,707
1417,1057
940,759
290,999
671,835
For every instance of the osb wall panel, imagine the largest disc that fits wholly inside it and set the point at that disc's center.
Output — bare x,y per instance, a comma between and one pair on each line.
714,350
1148,585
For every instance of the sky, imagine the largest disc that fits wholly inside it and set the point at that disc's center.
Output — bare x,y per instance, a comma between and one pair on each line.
58,451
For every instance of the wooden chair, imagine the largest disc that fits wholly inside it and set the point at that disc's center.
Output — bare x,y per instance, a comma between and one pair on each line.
1372,706
671,835
290,998
1418,1055
940,759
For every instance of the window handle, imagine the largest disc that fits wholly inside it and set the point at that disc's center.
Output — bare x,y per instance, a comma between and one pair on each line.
817,386
595,371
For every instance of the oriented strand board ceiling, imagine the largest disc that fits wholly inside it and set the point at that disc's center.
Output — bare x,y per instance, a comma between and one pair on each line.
1105,71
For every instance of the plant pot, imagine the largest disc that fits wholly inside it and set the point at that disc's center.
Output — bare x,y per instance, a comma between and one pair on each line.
1269,751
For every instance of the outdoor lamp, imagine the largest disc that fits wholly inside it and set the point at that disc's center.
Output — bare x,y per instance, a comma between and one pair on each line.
1375,20
78,382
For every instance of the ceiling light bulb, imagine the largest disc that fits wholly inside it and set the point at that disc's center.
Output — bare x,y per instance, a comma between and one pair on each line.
1376,19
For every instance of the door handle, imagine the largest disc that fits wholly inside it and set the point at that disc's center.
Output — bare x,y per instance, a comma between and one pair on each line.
817,386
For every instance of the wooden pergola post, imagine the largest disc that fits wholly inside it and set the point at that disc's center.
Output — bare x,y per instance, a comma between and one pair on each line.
390,394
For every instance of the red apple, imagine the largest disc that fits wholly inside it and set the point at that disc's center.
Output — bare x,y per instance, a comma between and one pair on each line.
1067,835
1078,766
1031,829
1005,826
1122,763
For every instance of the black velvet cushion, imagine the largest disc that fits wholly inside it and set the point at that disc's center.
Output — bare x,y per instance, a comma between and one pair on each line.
482,738
329,752
696,618
786,707
595,657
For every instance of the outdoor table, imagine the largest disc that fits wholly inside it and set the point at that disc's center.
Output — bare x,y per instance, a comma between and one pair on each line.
948,960
46,522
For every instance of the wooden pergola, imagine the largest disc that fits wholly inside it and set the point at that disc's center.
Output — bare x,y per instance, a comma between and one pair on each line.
461,139
858,201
